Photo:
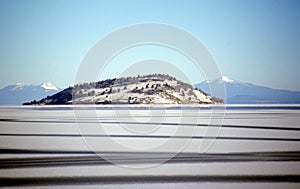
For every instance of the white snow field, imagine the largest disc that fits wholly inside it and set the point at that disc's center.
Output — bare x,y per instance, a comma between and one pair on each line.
150,146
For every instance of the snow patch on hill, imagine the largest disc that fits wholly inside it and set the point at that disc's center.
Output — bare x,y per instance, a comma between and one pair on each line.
49,86
226,79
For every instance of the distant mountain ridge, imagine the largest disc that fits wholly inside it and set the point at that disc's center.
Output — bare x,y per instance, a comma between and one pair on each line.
17,94
149,89
246,93
237,93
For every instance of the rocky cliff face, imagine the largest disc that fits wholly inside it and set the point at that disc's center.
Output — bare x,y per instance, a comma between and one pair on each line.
149,89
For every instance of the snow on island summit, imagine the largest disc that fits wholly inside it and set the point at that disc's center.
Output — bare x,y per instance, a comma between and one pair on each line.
148,89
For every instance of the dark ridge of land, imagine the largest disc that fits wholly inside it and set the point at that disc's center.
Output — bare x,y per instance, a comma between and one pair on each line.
80,158
108,180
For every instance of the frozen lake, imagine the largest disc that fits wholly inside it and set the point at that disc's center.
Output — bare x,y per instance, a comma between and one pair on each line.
233,146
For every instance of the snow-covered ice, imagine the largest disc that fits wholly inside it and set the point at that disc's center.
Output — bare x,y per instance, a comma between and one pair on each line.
144,144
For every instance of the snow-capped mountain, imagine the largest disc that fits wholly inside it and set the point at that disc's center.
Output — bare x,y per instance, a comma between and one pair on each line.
19,93
149,89
246,93
49,86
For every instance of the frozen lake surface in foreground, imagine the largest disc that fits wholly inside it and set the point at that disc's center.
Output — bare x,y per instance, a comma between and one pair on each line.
233,146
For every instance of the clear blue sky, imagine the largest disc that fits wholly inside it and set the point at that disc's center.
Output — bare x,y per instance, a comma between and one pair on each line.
255,41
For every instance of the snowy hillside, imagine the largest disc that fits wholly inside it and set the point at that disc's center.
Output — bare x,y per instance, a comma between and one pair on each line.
19,93
150,89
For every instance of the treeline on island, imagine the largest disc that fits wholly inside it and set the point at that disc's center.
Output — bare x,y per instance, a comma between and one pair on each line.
148,89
